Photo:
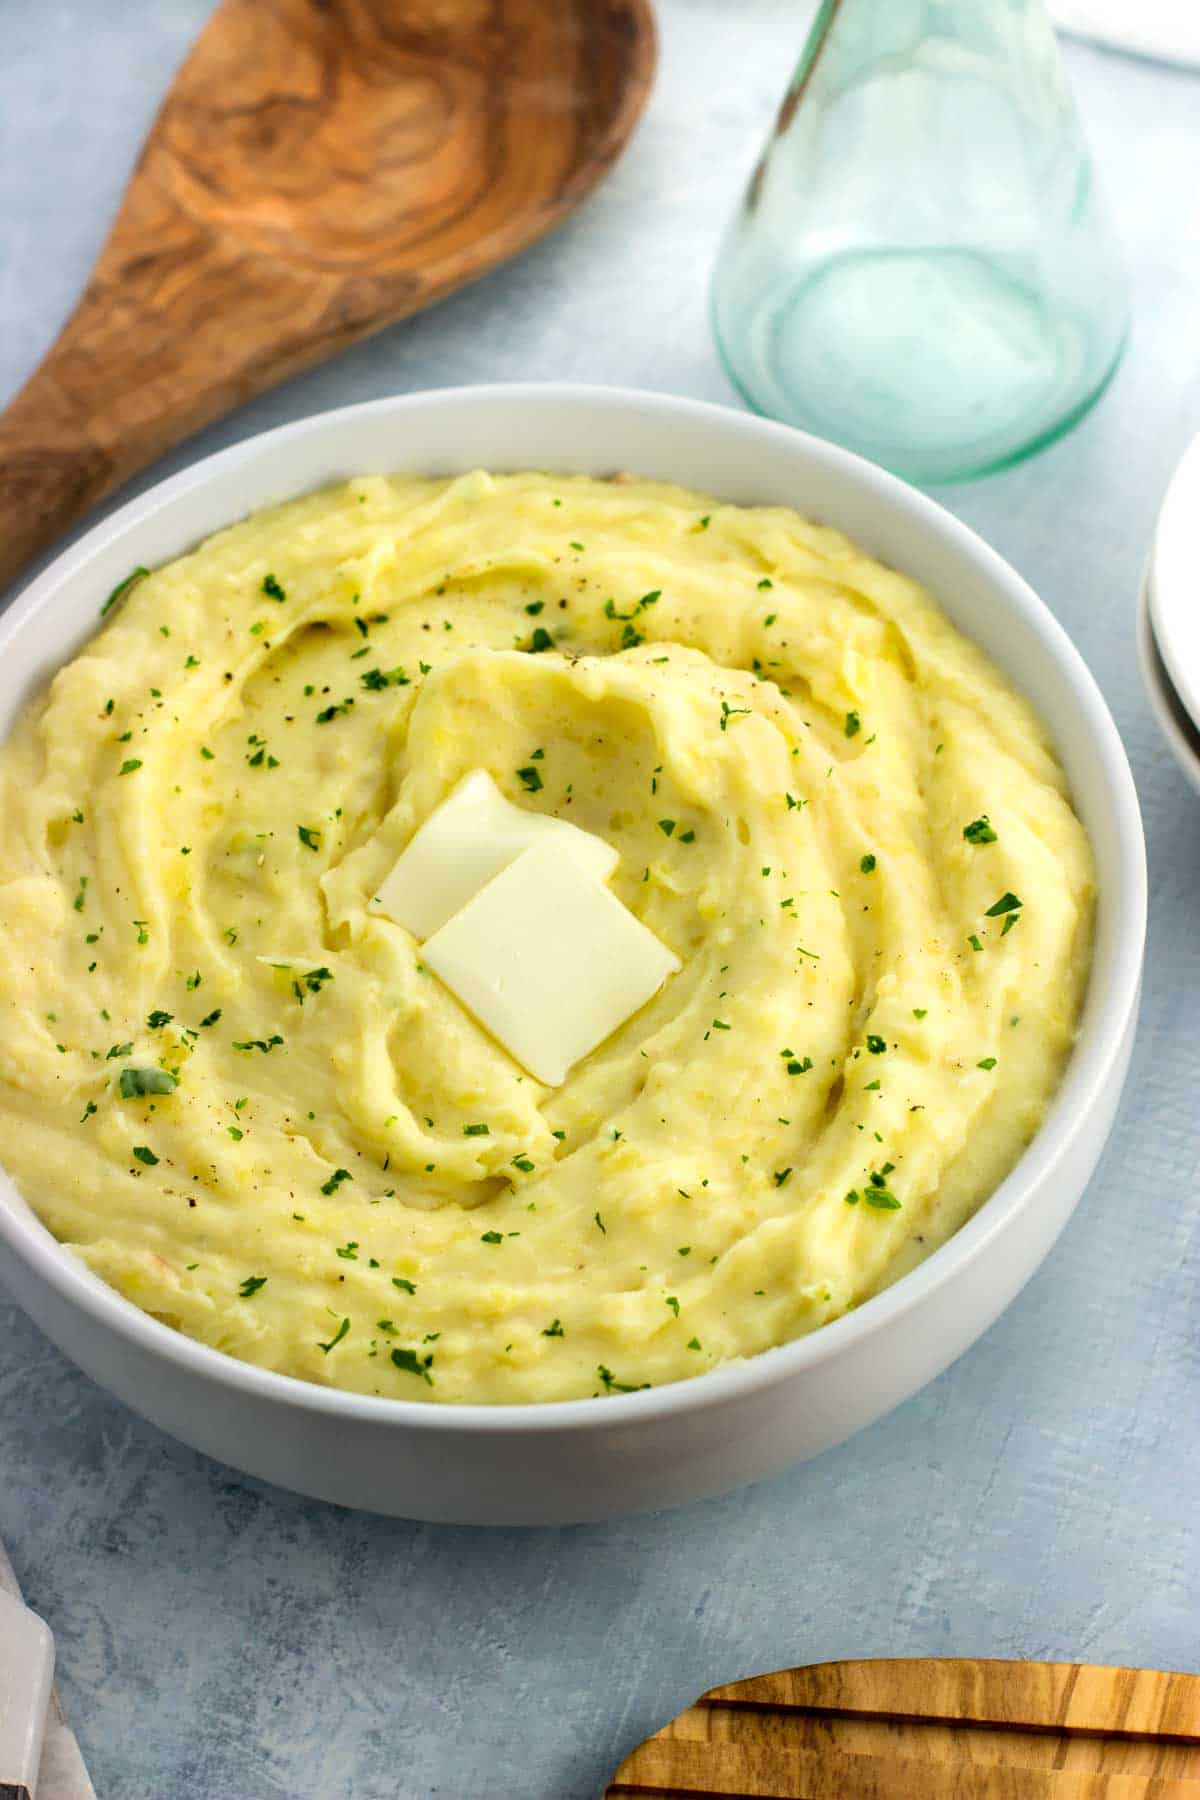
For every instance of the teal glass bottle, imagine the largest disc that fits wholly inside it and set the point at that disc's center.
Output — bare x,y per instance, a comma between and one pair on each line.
922,268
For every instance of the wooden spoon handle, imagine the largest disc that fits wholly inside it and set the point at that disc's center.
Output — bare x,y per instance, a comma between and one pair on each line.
50,473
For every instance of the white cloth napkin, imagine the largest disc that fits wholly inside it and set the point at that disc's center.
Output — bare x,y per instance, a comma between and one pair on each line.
63,1776
1166,29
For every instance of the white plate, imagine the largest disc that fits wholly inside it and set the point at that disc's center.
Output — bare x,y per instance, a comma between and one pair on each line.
1183,739
1174,581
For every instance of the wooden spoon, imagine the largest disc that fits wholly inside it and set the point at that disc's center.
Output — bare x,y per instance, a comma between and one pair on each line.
319,169
930,1730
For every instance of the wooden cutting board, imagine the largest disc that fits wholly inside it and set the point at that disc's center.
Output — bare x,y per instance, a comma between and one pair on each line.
932,1729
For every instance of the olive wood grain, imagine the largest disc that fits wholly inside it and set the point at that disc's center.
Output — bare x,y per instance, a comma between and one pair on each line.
933,1729
318,170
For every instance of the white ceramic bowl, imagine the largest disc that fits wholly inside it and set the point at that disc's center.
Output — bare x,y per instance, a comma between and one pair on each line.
591,1459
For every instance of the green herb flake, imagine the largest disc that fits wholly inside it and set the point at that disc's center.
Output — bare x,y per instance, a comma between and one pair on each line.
405,1286
868,864
337,1337
251,1285
979,831
129,766
530,779
986,1062
853,725
1007,903
122,589
554,1329
492,1237
541,640
875,1044
156,1020
413,1363
479,1130
666,826
145,1155
673,1303
335,1181
781,1176
523,1163
135,1083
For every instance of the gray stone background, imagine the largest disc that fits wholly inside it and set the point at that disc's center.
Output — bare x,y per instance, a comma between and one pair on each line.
225,1641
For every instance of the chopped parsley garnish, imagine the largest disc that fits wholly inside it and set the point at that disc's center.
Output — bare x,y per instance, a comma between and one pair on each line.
875,1044
1009,923
312,981
720,1025
554,1330
337,1337
210,1018
974,942
251,1285
1005,904
979,831
666,826
157,1020
122,589
331,712
405,1286
145,1155
492,1237
673,1303
732,712
78,901
88,1110
919,1012
781,1176
375,680
530,778
987,1062
796,1066
600,1223
523,1163
335,1181
877,1193
867,865
413,1363
129,765
766,582
347,1252
117,1050
309,836
480,1130
535,607
265,1045
135,1083
613,1386
541,640
272,589
853,724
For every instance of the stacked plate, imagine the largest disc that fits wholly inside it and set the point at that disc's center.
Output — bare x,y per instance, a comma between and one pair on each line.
1169,618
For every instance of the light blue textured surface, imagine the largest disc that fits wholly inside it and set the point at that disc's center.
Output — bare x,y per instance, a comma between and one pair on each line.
224,1641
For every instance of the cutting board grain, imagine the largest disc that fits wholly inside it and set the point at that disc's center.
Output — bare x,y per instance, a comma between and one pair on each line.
319,169
929,1730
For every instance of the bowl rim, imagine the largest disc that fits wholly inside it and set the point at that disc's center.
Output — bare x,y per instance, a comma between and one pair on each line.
1084,1078
1170,714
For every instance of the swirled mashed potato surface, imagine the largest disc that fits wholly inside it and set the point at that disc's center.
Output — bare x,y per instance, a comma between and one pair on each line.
230,1086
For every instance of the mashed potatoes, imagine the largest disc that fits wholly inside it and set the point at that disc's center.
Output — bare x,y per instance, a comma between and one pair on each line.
228,1083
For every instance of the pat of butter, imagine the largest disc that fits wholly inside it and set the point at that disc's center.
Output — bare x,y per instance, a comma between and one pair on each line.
474,835
549,961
